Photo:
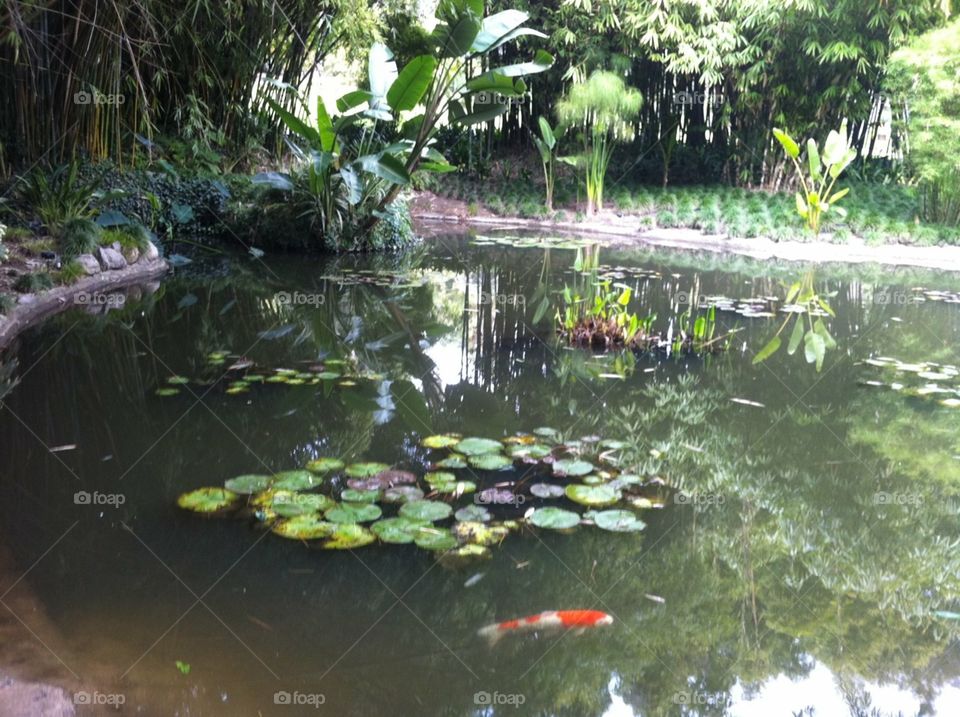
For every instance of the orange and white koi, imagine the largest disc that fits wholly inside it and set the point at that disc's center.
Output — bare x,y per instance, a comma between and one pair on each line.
578,620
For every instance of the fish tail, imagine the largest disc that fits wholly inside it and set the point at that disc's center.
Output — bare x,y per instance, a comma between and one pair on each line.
492,634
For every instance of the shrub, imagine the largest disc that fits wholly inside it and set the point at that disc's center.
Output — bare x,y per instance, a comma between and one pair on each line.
129,236
80,235
32,283
71,272
6,303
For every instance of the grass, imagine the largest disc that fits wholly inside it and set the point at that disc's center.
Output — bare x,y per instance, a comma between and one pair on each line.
877,213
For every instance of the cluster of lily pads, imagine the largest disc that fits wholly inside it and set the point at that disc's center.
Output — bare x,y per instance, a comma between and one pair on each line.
923,379
758,307
919,295
473,493
241,373
380,277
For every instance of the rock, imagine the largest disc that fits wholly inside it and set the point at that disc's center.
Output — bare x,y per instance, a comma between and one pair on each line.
151,253
131,255
116,246
110,258
27,298
89,263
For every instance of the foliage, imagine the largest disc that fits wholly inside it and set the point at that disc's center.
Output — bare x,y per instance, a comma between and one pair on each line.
818,197
546,145
33,282
925,77
58,195
813,334
603,108
80,235
71,272
7,303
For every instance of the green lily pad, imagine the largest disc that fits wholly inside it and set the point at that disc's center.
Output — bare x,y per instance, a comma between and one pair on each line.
352,495
353,513
248,484
618,521
459,487
365,470
490,462
471,531
324,465
288,504
550,434
440,477
398,531
554,518
178,380
464,555
402,494
428,510
445,440
546,490
534,450
208,500
474,513
277,379
594,496
430,537
328,375
478,446
454,460
347,536
572,467
304,527
164,392
612,445
296,480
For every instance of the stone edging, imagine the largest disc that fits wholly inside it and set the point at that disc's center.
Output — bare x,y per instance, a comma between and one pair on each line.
628,232
47,303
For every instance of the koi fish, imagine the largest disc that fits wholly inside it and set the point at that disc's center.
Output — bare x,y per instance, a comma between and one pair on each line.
578,620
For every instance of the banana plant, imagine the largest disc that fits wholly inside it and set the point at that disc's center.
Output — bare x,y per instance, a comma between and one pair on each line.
818,197
546,144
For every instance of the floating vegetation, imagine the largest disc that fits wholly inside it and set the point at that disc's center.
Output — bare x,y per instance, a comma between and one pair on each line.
924,380
367,277
467,495
532,242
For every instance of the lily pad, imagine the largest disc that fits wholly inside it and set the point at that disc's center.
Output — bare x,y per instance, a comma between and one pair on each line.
454,460
382,480
352,495
295,480
165,392
572,467
402,494
398,531
478,446
248,484
472,513
178,380
595,496
459,487
324,465
554,518
208,500
546,490
430,537
535,450
490,462
347,536
288,504
471,531
440,477
353,513
428,510
445,440
464,555
304,527
365,470
618,521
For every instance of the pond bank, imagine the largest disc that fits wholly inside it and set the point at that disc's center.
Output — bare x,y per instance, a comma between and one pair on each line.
34,308
435,215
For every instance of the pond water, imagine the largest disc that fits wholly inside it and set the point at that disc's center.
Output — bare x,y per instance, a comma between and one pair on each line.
808,563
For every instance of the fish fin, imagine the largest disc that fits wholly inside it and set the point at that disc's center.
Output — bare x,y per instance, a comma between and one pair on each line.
492,634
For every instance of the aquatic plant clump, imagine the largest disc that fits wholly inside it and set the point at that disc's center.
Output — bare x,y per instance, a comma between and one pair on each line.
466,495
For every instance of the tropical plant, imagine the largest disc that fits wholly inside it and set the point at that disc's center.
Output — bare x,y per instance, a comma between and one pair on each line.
808,327
603,108
353,174
58,195
818,197
546,145
79,235
925,79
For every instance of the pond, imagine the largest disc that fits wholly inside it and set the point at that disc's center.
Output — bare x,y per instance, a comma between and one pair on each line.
800,557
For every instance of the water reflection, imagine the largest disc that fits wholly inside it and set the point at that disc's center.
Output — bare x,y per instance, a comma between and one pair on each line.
785,582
